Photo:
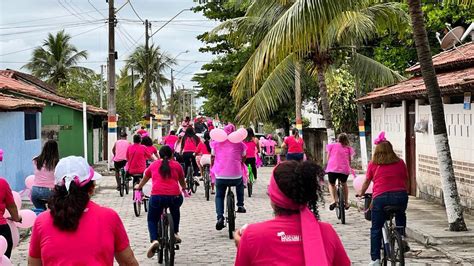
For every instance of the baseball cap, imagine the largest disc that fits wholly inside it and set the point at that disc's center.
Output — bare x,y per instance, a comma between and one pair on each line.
74,169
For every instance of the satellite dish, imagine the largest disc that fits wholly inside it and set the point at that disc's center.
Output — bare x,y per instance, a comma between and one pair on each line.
452,38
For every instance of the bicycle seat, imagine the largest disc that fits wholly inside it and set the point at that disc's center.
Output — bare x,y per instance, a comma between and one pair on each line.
392,209
137,175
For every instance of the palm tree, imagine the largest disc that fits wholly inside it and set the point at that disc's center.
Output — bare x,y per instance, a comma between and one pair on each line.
316,33
152,62
450,192
55,59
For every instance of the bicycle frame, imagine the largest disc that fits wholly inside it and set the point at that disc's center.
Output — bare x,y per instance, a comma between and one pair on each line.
138,196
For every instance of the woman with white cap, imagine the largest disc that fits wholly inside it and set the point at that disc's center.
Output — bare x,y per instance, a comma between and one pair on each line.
77,231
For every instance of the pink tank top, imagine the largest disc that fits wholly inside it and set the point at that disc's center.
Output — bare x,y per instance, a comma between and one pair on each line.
121,147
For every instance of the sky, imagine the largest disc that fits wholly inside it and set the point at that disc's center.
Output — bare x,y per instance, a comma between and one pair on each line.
24,24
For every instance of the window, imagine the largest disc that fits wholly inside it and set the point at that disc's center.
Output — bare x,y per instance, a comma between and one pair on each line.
31,131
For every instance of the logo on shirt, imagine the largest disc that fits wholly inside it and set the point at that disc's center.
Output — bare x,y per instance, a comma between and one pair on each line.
288,238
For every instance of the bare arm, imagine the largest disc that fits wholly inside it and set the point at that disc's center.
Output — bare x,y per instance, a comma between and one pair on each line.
143,182
12,208
126,257
34,261
113,150
365,186
182,183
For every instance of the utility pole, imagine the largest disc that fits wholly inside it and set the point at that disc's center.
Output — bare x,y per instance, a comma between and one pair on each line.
147,73
101,85
112,118
172,99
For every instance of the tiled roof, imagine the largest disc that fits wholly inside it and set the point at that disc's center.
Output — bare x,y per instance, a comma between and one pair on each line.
462,56
29,79
7,83
11,103
450,83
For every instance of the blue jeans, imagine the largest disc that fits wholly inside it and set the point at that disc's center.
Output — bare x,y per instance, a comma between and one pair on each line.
221,185
40,196
156,206
378,218
295,156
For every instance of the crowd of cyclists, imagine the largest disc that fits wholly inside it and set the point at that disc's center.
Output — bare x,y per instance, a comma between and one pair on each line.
65,186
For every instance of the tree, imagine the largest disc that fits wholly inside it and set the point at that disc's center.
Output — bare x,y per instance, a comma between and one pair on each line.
316,32
56,59
82,87
129,107
152,63
448,181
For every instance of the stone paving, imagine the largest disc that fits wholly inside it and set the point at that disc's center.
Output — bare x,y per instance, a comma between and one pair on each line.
203,245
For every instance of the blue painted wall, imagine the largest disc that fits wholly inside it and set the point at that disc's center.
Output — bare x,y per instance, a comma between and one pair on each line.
18,152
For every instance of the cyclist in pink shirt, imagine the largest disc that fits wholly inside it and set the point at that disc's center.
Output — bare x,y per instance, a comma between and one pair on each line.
294,236
171,140
120,156
390,177
189,145
43,166
167,177
339,166
295,146
75,230
253,148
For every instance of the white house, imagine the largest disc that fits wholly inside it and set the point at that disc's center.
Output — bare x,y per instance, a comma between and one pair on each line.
403,112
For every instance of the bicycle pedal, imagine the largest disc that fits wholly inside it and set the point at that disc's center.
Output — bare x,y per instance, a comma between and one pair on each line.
176,247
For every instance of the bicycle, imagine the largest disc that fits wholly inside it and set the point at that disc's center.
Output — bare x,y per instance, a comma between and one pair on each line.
167,240
392,243
190,182
250,181
230,219
124,183
340,206
207,181
139,199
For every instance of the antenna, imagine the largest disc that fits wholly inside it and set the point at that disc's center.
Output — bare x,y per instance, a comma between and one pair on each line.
470,30
437,37
452,37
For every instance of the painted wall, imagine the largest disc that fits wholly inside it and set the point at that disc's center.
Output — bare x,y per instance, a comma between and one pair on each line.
392,121
460,126
18,152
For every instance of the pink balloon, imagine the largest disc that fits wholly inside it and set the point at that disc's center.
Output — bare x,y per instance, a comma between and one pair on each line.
218,135
15,233
243,133
29,181
17,199
235,137
6,261
28,219
3,245
359,181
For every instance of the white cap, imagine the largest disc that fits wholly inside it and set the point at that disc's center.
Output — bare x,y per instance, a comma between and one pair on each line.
74,169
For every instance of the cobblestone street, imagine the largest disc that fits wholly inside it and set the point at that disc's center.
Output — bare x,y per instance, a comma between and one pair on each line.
203,245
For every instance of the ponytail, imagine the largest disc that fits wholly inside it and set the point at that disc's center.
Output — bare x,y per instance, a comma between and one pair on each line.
165,168
296,133
67,207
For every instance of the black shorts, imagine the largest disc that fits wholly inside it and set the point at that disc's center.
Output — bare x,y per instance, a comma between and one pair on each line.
119,165
334,176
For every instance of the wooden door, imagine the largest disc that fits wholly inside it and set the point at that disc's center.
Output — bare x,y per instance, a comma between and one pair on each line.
411,147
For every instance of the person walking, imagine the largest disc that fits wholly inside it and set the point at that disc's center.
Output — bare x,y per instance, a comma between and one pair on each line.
167,176
294,236
390,177
75,230
43,166
120,156
253,148
226,164
339,157
295,146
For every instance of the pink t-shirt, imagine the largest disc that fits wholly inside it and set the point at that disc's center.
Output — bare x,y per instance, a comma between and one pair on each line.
190,145
121,147
99,236
278,242
6,198
202,149
137,155
43,177
294,145
339,158
165,186
251,149
228,159
152,149
170,141
387,177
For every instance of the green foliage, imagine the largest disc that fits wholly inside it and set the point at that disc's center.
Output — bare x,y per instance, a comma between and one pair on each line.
55,59
129,106
341,88
82,88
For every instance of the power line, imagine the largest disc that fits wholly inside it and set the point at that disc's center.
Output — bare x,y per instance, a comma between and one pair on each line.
47,18
80,10
51,24
98,11
76,25
134,11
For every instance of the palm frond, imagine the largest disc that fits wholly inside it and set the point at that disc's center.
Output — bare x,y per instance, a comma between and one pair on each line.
372,73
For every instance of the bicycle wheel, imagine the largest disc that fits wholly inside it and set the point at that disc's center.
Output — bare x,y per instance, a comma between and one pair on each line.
169,247
231,213
397,254
127,185
122,182
207,185
162,236
385,255
194,185
137,207
338,210
189,178
342,206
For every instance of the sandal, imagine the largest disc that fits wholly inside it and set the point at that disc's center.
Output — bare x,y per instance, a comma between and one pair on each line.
332,206
347,206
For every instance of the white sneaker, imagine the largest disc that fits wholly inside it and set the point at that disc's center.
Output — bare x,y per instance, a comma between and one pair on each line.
152,249
374,263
